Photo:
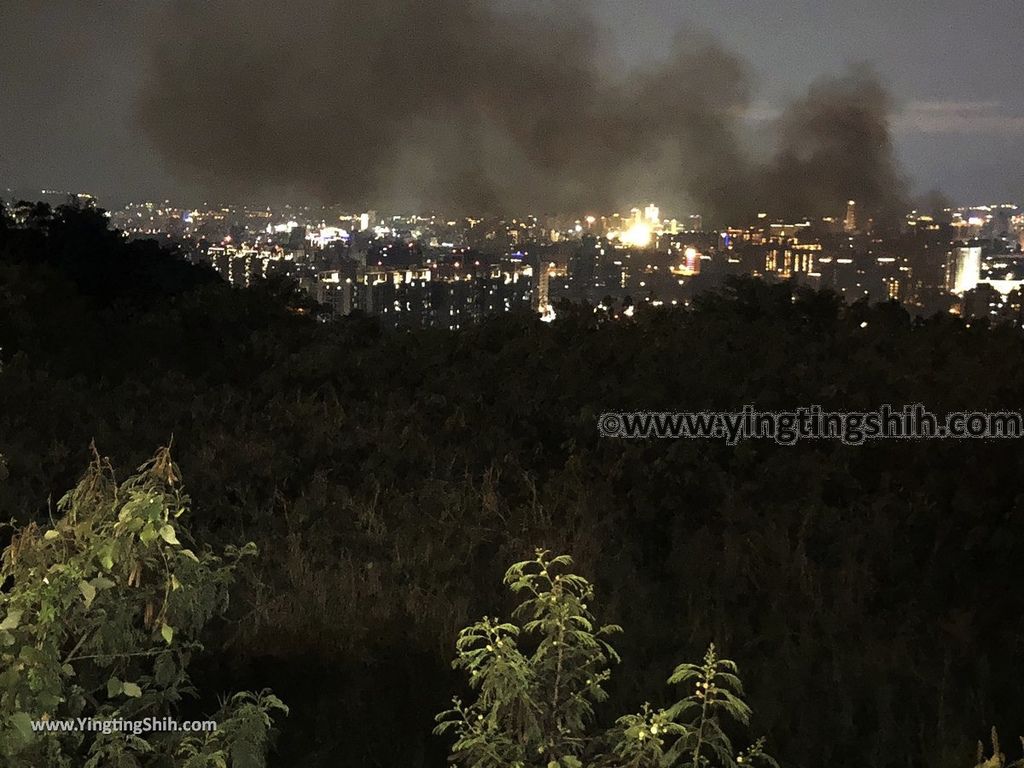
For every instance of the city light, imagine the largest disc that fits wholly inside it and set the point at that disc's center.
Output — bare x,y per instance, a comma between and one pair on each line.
639,235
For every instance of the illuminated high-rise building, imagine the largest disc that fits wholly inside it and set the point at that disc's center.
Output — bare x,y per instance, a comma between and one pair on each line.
963,269
542,298
652,213
850,223
691,261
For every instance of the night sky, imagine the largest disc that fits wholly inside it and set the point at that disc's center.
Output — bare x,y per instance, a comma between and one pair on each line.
71,74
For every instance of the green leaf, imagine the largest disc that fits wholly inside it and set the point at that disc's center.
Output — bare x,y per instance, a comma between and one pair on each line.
88,592
106,556
168,535
51,535
33,655
167,632
190,554
12,620
132,690
23,726
148,534
114,687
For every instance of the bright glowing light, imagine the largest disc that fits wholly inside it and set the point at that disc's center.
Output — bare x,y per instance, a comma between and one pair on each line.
284,229
638,235
329,235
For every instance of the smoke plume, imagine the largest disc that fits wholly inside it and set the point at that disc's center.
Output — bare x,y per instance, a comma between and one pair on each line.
833,144
460,105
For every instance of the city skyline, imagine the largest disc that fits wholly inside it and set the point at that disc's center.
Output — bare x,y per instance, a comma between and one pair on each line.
451,271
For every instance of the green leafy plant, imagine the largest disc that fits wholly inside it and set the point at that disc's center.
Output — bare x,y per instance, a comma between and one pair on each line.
538,678
533,708
997,759
102,616
693,731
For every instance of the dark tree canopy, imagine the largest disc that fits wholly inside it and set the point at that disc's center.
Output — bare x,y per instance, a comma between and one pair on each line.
871,594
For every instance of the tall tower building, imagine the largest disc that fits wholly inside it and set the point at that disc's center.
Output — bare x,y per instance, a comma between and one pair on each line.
850,224
963,269
543,293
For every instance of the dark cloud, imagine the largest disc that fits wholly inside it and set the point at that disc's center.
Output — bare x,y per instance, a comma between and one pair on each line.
467,105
